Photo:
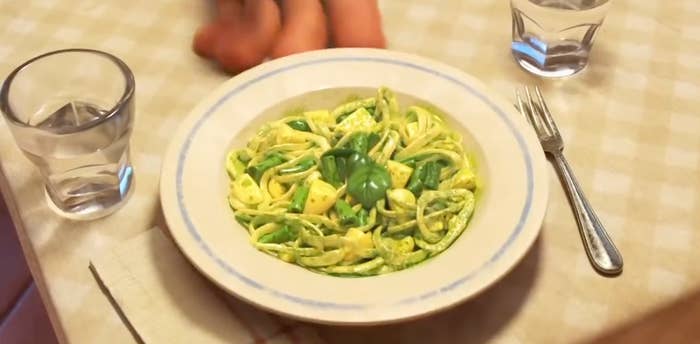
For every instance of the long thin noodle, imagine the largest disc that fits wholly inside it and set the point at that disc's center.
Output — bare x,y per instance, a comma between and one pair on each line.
413,222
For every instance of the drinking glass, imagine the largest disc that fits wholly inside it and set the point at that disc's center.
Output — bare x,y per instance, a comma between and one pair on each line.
71,113
553,38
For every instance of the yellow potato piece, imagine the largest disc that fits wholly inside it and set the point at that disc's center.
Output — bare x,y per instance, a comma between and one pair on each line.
319,116
403,196
360,120
246,190
464,179
400,173
321,198
289,135
356,241
276,188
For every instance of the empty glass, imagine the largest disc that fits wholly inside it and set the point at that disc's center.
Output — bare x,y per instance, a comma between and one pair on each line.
71,113
553,38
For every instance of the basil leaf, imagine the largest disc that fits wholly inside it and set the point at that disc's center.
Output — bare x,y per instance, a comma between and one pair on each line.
373,139
299,124
338,152
355,161
368,184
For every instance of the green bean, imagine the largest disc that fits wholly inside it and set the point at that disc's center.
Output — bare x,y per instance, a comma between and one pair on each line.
270,161
264,230
329,171
432,175
299,199
243,219
371,221
342,168
409,162
284,234
415,183
347,216
362,217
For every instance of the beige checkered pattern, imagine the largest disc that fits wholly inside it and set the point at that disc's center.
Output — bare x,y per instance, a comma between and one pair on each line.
631,123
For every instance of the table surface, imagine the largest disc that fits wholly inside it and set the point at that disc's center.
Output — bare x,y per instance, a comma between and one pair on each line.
630,121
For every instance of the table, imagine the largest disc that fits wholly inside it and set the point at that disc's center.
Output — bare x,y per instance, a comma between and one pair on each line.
630,122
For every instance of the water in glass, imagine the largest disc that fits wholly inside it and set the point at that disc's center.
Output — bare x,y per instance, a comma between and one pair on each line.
71,113
87,171
553,38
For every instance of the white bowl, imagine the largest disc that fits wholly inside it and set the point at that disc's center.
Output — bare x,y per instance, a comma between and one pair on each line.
506,221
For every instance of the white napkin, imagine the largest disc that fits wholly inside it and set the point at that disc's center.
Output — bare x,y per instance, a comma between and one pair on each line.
163,299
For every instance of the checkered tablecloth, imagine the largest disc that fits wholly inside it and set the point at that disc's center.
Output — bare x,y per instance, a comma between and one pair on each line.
631,122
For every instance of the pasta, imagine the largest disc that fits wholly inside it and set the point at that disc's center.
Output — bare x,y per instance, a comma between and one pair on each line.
364,189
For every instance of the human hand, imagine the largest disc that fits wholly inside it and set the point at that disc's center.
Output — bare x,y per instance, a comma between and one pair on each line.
245,32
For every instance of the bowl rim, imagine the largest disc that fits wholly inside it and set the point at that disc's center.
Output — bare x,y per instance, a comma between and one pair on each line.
531,216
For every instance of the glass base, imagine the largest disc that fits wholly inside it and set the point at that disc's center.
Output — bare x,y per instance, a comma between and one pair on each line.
560,72
99,205
561,65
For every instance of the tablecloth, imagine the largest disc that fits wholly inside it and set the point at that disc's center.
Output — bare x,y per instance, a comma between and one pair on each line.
630,121
166,300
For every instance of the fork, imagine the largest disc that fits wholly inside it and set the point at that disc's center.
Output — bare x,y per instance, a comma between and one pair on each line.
600,249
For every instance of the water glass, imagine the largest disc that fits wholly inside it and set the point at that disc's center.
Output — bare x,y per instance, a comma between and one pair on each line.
71,113
553,38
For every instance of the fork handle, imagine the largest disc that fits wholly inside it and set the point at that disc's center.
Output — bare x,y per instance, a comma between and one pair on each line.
601,251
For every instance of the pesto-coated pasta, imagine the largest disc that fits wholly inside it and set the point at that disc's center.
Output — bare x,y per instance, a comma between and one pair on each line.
359,190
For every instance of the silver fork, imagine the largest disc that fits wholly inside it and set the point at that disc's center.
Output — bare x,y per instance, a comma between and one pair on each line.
601,251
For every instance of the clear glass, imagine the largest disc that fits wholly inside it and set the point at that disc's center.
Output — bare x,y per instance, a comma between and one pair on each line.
71,113
553,38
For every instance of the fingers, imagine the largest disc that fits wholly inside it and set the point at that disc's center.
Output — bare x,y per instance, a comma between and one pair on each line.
205,40
303,28
245,42
241,35
246,31
355,23
228,10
